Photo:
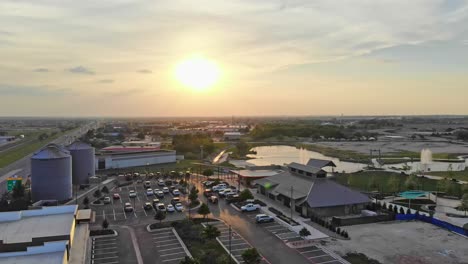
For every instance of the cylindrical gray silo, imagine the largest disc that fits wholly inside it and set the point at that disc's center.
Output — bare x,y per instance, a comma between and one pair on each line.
82,162
51,174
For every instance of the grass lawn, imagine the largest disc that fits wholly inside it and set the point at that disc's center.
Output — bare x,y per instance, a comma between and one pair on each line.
388,182
23,150
459,175
345,155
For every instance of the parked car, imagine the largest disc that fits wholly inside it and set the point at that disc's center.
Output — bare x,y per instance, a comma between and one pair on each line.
161,207
219,187
159,193
165,190
170,208
175,200
207,192
207,183
161,183
263,218
213,199
149,192
116,196
148,206
250,207
147,184
132,194
155,202
224,192
176,192
233,198
107,200
179,207
128,207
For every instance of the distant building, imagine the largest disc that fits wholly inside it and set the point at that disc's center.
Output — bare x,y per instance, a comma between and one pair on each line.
126,159
232,136
308,191
141,143
50,235
252,173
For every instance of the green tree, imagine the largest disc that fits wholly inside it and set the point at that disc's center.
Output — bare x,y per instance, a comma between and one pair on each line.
193,195
86,202
18,190
189,260
245,195
464,203
411,182
242,148
304,232
204,210
160,215
105,189
251,256
372,185
211,232
97,193
105,224
141,135
208,172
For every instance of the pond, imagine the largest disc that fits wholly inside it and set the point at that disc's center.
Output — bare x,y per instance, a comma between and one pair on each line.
280,155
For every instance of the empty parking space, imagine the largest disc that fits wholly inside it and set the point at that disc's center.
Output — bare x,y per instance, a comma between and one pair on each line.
168,247
232,241
318,255
275,228
104,251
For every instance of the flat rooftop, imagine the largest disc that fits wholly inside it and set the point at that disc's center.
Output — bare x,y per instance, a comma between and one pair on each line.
46,258
22,226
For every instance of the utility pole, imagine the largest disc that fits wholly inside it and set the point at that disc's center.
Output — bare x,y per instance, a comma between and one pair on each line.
230,254
292,189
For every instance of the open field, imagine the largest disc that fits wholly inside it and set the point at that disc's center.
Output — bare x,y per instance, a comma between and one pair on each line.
21,150
389,182
404,243
459,175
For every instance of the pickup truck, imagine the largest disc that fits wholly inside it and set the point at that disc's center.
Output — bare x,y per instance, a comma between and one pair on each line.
250,207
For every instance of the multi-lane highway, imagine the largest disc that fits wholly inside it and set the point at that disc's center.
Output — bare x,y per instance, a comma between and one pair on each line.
22,167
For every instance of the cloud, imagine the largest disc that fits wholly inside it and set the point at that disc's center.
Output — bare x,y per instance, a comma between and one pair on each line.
32,91
41,70
106,81
81,70
126,93
144,71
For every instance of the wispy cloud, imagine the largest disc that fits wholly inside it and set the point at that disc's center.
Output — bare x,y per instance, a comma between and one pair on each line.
128,92
106,81
145,71
20,90
81,70
41,70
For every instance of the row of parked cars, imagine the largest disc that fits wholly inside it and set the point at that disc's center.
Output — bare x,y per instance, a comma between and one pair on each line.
175,205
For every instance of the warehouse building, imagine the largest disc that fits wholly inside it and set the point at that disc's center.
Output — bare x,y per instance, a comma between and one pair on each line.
308,191
116,160
47,235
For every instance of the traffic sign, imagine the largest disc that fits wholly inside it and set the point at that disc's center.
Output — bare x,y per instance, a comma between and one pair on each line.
11,182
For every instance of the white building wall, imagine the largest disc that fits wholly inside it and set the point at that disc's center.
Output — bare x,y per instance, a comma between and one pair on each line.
135,160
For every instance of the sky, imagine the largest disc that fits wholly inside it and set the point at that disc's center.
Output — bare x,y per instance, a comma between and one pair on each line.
298,57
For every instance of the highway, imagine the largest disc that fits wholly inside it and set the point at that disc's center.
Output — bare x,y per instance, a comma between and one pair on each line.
22,167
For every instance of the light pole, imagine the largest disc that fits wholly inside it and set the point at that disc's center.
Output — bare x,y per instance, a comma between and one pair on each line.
230,235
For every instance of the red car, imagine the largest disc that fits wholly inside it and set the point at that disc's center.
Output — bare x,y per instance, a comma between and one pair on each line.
116,196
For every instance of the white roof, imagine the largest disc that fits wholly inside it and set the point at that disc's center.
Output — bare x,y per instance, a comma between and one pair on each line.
23,226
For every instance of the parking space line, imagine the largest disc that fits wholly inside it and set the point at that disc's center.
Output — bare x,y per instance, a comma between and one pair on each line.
167,240
165,245
106,258
169,254
239,249
103,239
105,253
326,255
171,249
172,259
144,211
134,212
113,210
123,210
104,248
333,260
105,244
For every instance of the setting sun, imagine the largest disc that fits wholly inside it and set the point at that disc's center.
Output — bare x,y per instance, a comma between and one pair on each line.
197,73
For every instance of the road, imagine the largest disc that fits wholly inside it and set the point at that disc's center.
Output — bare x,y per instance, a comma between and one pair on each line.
272,248
22,166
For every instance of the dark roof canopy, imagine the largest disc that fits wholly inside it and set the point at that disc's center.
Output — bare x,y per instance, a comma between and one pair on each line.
319,163
298,166
325,193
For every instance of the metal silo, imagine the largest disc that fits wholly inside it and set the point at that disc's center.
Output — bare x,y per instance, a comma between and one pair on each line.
51,174
82,162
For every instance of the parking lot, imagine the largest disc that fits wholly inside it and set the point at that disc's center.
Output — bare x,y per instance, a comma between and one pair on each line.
313,253
169,248
238,243
104,250
114,212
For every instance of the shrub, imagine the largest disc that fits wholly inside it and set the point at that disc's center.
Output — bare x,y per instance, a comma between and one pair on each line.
408,211
402,211
338,230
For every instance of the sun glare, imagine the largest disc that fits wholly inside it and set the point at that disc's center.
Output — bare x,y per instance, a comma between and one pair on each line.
197,73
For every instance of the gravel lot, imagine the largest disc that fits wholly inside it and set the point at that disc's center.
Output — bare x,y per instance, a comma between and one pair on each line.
404,243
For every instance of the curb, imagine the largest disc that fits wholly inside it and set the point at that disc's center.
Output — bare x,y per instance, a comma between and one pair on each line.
235,208
101,236
157,229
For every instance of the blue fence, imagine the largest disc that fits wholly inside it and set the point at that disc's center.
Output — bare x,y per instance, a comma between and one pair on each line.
433,221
